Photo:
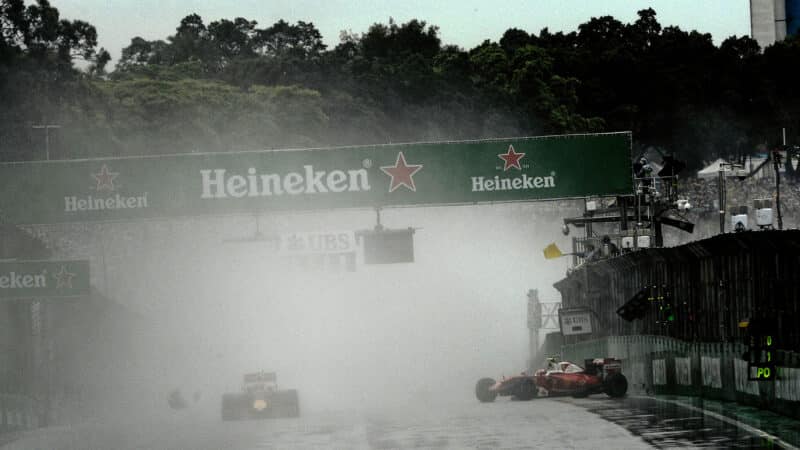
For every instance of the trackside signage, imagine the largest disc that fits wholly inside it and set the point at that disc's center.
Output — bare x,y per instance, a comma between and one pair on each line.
43,279
499,170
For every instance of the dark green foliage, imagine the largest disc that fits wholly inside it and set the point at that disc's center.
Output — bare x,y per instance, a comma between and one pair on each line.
37,79
231,84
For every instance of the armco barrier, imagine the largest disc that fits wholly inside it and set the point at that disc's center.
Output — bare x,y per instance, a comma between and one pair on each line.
16,413
664,365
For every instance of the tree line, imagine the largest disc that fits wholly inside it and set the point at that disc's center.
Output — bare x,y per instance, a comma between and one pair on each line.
231,84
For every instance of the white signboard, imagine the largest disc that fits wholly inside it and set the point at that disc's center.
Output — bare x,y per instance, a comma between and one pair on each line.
575,322
742,383
683,371
323,262
317,242
659,372
318,251
787,384
711,372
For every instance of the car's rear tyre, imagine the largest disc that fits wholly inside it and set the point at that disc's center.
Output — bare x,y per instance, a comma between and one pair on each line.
482,390
231,407
527,390
616,385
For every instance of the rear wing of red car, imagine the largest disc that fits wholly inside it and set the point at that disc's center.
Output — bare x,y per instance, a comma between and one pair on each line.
260,377
596,366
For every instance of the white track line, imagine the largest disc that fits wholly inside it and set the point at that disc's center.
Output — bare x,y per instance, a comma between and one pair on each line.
725,419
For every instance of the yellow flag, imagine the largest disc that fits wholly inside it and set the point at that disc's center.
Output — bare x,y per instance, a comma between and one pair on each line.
552,251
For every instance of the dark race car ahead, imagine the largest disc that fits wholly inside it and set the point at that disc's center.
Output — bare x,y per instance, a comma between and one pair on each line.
260,398
559,378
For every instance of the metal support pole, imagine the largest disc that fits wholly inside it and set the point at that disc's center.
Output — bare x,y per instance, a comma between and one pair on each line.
574,251
588,226
658,234
623,213
46,128
776,156
534,324
378,225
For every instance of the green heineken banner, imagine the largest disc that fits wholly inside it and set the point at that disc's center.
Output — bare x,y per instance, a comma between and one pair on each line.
499,170
41,279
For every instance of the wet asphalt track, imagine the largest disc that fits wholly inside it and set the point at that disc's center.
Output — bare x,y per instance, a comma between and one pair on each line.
594,422
668,422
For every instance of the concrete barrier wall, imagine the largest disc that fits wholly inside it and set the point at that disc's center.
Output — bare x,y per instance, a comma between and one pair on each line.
663,365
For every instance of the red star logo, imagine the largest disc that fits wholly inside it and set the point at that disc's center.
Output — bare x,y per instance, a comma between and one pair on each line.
63,279
511,158
402,174
105,179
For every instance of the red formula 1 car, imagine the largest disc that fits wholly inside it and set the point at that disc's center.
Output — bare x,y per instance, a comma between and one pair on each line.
559,378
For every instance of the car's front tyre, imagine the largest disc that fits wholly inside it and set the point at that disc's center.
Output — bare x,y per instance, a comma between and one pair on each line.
483,391
288,403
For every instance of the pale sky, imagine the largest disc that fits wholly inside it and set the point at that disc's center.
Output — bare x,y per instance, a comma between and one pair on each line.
466,23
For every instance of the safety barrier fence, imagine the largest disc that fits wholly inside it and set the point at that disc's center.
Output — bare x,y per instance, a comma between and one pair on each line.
664,365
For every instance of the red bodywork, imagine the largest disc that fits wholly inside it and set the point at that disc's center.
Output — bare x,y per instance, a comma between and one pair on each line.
560,378
557,383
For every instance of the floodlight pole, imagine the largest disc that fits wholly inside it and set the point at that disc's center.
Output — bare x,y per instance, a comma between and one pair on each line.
46,128
776,162
722,194
721,200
